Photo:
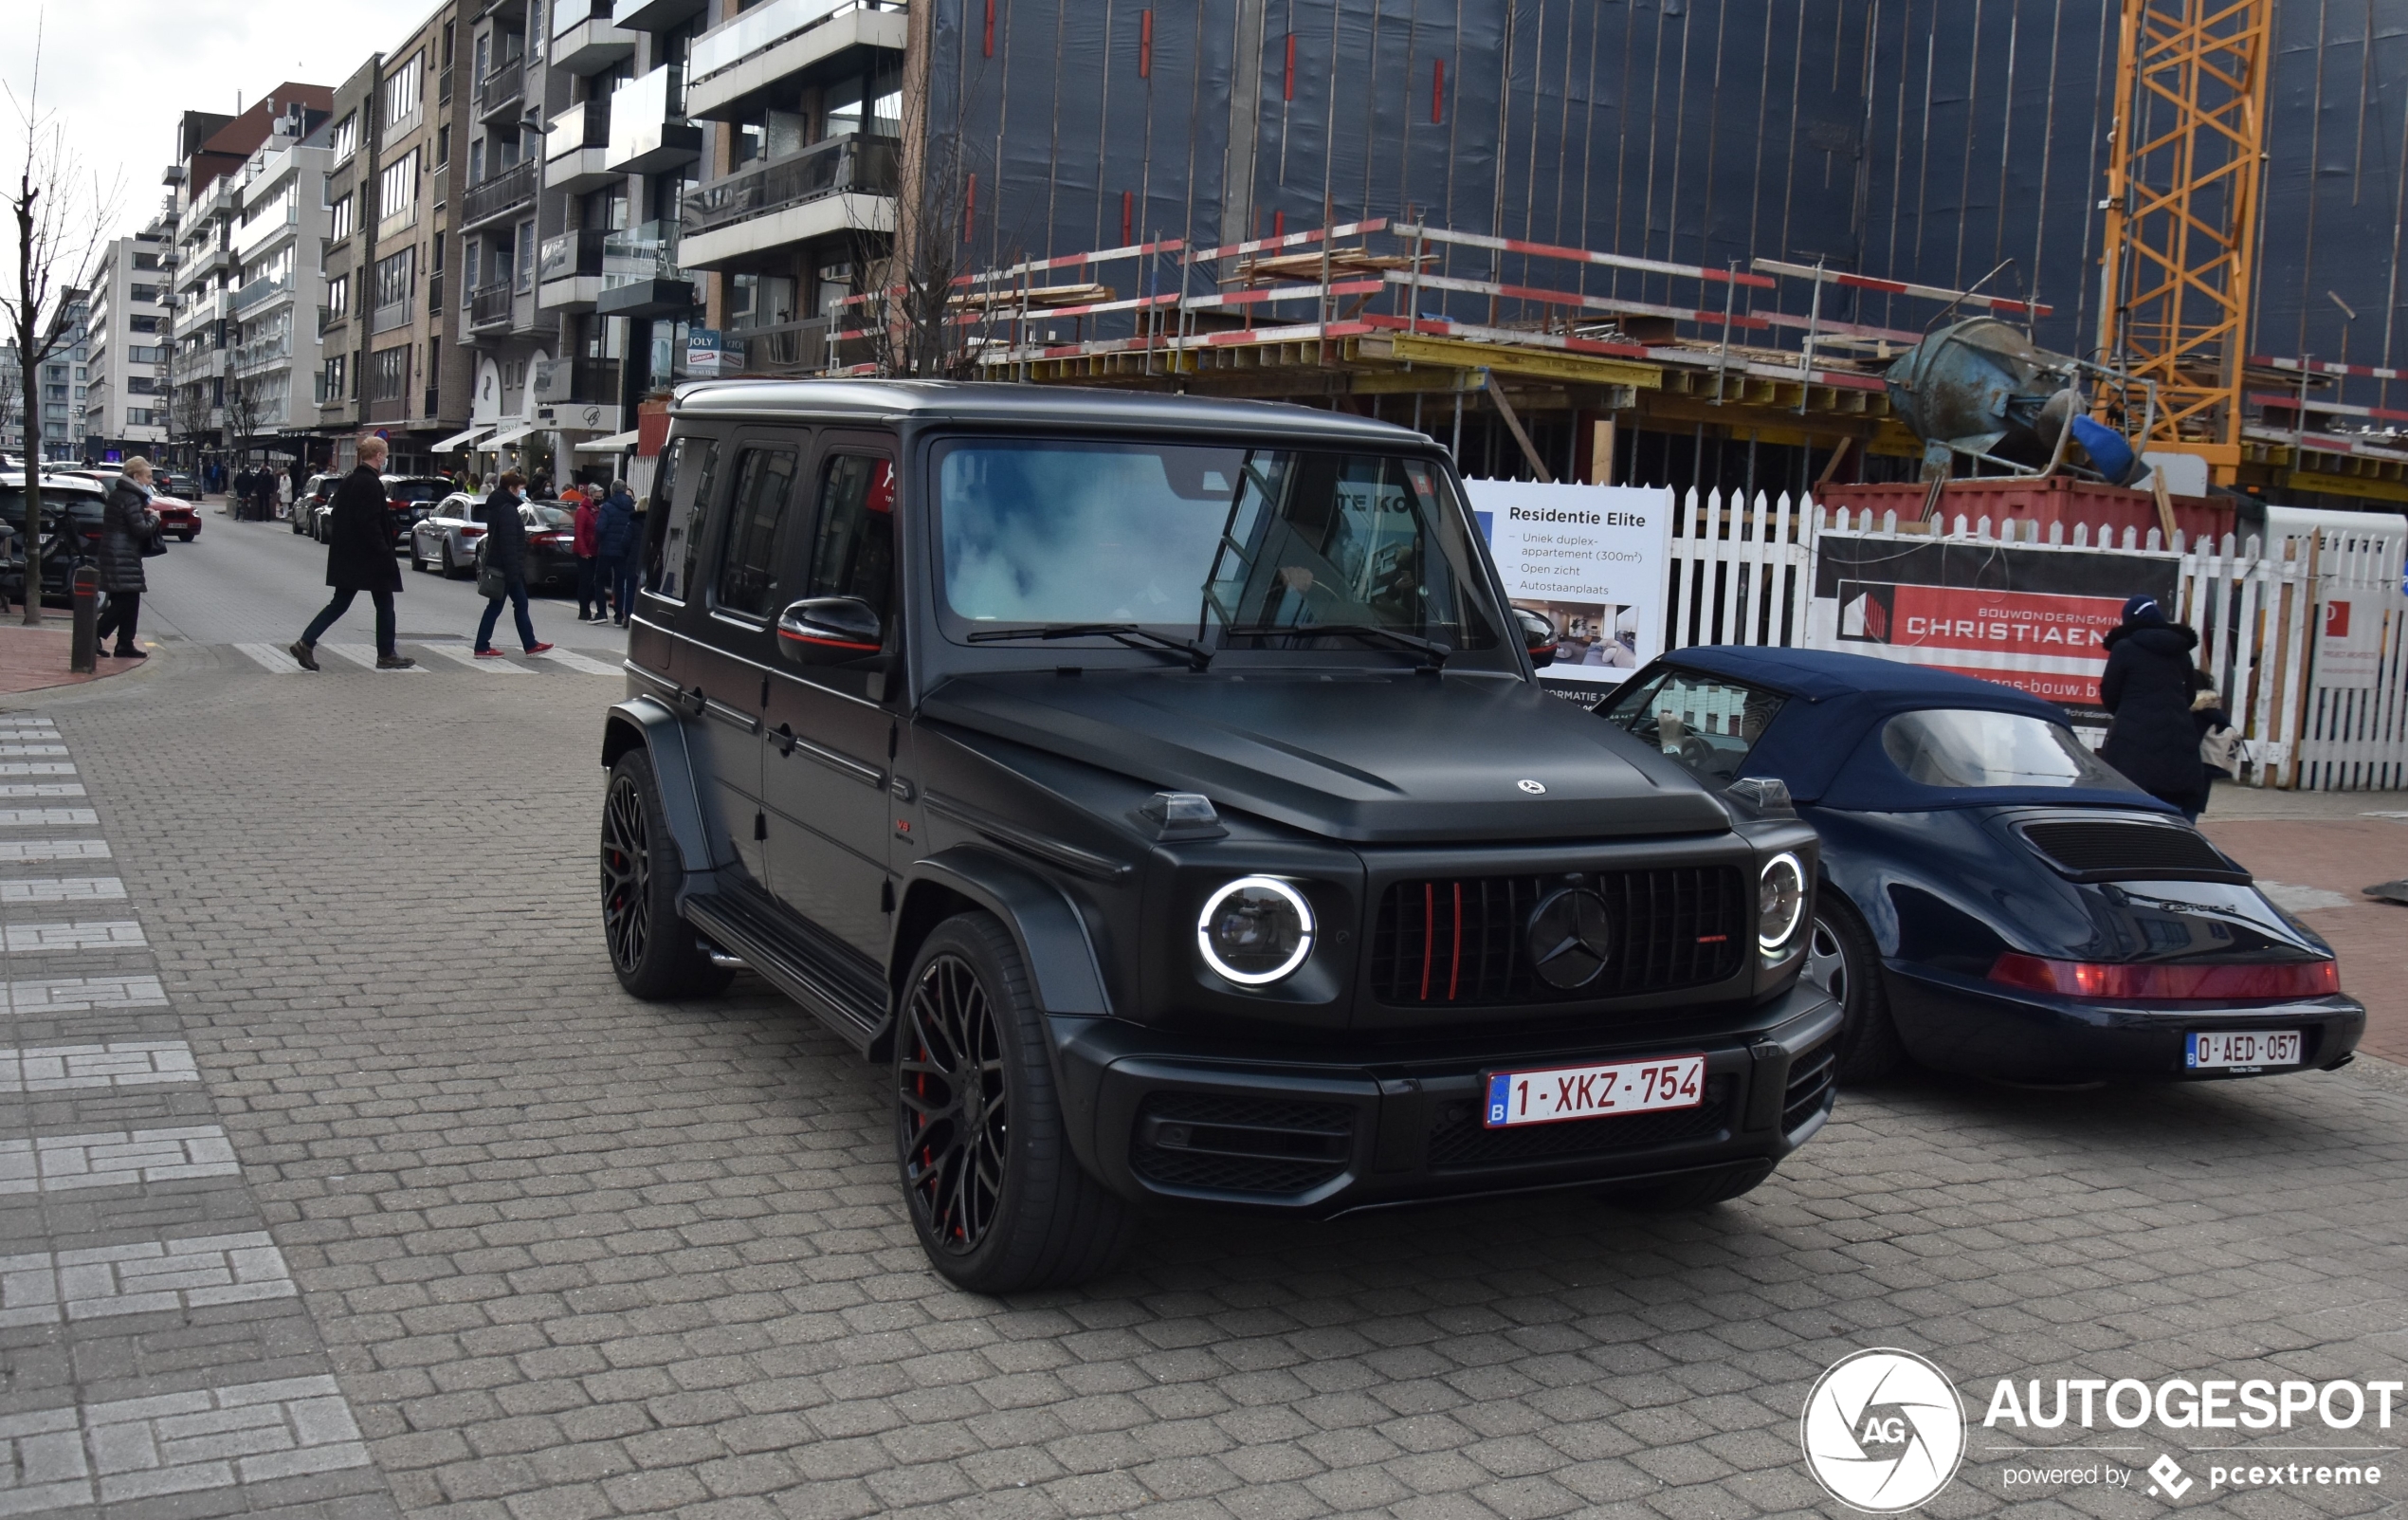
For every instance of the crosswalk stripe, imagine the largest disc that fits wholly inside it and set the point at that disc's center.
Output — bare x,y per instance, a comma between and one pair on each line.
117,1064
22,849
366,655
21,818
63,890
468,656
32,749
81,994
41,789
37,767
41,939
578,662
274,661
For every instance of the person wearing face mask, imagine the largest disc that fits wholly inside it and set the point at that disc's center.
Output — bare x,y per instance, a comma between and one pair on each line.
504,569
128,525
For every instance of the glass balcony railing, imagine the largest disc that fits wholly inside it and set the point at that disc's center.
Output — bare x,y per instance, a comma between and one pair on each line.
644,252
262,289
586,124
649,129
855,161
763,28
567,15
571,254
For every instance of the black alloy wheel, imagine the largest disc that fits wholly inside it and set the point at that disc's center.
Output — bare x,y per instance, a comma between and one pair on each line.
652,948
954,1105
1840,959
450,568
997,1199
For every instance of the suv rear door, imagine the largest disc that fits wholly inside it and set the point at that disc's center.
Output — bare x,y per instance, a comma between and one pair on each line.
830,748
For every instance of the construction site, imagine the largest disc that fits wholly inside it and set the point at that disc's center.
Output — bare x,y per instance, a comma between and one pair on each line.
1691,243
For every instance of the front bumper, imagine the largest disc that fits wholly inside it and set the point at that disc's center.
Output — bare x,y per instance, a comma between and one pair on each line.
1173,1123
1958,1023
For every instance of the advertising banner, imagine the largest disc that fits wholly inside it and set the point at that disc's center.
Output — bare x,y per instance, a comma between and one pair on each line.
2026,615
1592,560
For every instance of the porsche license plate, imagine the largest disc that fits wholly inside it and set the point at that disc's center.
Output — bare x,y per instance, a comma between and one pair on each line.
2242,1047
1594,1091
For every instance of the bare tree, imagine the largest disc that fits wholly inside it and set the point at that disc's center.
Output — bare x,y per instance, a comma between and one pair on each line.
243,415
61,227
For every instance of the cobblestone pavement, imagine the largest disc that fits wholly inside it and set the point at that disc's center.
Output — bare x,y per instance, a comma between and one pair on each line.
558,1253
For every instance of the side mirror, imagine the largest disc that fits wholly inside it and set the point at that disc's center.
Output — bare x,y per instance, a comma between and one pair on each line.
828,630
1538,636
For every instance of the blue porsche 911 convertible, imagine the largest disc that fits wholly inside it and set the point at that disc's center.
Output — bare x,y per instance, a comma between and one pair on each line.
1994,899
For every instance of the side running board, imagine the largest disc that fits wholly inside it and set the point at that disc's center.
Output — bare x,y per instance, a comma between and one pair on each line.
771,949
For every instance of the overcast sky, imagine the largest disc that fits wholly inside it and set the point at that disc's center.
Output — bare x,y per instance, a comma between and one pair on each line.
119,72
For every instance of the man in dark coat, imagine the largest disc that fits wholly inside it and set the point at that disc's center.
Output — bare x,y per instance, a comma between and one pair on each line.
127,524
615,542
2147,687
505,554
360,557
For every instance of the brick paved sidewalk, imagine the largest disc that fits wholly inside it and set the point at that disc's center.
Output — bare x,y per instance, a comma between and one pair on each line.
576,1256
33,659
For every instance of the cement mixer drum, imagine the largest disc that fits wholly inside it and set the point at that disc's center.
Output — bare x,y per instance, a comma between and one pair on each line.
1980,387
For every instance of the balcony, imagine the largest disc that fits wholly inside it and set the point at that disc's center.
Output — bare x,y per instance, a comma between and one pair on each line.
783,348
655,15
330,318
260,231
392,315
489,307
199,264
501,95
590,381
641,276
388,409
259,292
499,195
841,185
262,352
649,129
576,150
569,270
583,39
735,60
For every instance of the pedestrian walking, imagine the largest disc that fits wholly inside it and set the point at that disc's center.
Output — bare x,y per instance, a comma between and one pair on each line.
2152,737
238,498
614,549
587,518
128,527
504,573
360,557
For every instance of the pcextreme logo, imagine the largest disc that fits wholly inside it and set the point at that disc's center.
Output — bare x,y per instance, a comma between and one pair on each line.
1883,1430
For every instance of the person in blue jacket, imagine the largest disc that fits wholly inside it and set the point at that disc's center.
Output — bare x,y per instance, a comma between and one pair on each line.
614,546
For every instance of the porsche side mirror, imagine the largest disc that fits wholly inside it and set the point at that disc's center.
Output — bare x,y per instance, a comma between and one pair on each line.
1538,636
829,630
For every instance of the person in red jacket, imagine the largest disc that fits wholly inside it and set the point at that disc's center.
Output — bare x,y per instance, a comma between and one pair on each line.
583,542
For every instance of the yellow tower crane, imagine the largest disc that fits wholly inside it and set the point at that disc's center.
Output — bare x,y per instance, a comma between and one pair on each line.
2184,174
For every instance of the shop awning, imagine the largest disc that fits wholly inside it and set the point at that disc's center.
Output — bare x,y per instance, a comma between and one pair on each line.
513,433
616,443
463,438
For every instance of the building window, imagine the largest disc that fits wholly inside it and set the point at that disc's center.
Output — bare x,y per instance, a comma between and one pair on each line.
338,295
404,90
395,274
526,261
388,373
397,188
338,223
443,145
331,389
138,416
346,138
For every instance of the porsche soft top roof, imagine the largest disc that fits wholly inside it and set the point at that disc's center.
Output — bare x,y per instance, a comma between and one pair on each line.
991,403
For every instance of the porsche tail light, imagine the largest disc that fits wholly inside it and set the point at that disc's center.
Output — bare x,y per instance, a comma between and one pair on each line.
2167,981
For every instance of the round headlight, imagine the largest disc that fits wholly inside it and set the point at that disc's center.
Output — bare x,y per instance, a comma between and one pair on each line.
1780,900
1255,930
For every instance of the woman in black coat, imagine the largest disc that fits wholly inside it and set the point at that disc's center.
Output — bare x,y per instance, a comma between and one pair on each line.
127,524
360,557
2153,740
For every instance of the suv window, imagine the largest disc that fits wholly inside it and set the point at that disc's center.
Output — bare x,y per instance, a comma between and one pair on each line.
683,497
1706,723
755,527
853,552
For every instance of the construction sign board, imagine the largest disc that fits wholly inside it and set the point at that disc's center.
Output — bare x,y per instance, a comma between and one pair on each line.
1591,559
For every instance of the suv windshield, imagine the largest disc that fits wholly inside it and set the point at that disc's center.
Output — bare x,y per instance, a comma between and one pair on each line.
1963,746
1231,545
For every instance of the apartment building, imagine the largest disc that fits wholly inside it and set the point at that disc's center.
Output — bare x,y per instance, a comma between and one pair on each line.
416,382
125,389
64,377
346,259
279,279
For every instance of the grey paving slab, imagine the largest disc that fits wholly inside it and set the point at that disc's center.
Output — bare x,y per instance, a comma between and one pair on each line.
41,1288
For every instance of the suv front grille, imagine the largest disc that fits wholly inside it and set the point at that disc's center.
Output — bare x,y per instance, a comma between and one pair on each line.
1241,1144
2084,847
1462,941
1459,1140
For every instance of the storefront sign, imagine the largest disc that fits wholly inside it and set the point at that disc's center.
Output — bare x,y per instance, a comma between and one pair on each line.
705,355
1592,560
2026,615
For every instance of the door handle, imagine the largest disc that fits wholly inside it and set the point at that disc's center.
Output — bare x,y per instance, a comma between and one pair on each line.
697,698
784,738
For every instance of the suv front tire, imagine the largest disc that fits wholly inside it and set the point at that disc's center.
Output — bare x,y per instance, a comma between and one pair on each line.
652,948
999,1202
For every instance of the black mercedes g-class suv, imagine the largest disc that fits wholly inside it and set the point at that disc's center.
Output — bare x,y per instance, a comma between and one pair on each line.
1162,789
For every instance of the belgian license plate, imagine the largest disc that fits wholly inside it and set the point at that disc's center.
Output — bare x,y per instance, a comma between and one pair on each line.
2242,1047
1563,1092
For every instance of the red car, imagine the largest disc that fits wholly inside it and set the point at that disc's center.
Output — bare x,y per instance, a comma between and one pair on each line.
177,516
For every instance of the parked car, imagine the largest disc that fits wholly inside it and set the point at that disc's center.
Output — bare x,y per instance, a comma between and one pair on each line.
178,517
446,538
1996,900
1160,789
411,498
177,483
551,545
71,508
317,492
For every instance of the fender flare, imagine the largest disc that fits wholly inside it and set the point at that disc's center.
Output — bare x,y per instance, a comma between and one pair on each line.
1052,939
649,721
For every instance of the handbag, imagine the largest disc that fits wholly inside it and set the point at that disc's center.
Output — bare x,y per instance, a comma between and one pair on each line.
489,582
154,543
2221,749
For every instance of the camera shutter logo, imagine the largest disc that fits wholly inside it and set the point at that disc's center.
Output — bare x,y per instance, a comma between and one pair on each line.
1883,1430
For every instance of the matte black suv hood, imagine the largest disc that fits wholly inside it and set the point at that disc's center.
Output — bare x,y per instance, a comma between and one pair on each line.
1360,756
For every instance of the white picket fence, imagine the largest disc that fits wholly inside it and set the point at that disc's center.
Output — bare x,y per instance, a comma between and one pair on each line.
1742,571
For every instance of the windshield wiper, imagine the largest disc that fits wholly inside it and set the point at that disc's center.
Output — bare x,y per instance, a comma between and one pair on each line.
1196,655
1370,632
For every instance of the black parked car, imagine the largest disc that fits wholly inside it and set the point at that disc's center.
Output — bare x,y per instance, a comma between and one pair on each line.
1162,789
552,558
1996,899
71,508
